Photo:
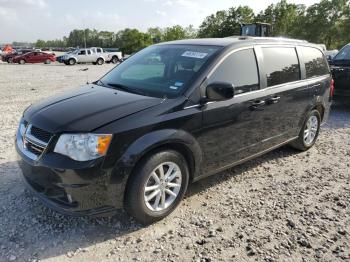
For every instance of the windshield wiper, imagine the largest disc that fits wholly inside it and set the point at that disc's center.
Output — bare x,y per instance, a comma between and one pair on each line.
100,83
124,88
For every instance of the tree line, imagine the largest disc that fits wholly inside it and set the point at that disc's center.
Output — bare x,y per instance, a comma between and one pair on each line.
326,22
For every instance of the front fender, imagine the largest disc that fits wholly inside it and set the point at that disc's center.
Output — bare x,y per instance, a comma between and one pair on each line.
156,139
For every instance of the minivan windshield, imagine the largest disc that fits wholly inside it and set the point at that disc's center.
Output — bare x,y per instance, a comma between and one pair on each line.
344,53
160,70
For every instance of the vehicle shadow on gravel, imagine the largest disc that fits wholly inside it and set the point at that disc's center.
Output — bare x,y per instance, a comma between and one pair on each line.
340,114
228,174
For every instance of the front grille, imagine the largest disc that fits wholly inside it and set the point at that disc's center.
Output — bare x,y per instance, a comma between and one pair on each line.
36,150
40,134
34,140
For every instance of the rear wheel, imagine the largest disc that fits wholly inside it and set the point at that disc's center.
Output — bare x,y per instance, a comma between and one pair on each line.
100,61
114,60
22,62
309,132
47,61
157,186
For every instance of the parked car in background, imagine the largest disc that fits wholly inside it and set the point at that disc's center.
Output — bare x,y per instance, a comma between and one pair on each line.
34,57
60,58
330,54
115,56
84,55
170,115
340,66
9,56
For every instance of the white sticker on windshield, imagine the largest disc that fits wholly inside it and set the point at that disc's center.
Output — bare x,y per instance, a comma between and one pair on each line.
173,87
194,54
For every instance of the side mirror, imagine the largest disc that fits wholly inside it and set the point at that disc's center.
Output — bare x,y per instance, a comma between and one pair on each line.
219,91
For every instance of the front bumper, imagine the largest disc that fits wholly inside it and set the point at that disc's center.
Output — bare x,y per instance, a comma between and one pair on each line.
72,188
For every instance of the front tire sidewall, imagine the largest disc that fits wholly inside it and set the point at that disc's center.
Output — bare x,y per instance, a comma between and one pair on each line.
135,204
22,62
100,61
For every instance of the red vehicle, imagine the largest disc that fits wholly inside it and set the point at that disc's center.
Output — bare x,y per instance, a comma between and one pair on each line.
34,57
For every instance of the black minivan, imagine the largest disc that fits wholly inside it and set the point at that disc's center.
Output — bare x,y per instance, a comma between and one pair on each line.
170,115
340,67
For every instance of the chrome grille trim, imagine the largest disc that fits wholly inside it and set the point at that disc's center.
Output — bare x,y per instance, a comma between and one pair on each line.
29,145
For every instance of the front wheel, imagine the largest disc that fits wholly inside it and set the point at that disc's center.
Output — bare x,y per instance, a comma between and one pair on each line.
22,62
47,61
309,132
71,61
157,186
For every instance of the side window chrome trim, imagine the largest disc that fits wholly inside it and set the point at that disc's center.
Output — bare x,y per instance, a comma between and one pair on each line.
227,55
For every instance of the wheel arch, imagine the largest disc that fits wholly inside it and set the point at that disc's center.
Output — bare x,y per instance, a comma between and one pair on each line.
178,140
320,108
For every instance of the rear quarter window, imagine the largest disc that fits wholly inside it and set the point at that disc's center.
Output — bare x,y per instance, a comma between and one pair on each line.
314,61
281,65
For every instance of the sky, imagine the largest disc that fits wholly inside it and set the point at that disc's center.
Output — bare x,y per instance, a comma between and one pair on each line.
29,20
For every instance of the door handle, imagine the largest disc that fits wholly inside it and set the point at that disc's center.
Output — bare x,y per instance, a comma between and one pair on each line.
315,86
273,100
256,105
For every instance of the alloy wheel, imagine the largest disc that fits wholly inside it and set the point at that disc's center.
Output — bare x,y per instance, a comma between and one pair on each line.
163,186
310,130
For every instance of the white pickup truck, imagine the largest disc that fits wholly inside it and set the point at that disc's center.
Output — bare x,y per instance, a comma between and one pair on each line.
94,55
112,55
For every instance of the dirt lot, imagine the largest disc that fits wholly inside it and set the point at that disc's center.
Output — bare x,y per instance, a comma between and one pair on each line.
284,206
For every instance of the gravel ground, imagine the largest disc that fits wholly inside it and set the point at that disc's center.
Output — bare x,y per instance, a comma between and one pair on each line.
284,206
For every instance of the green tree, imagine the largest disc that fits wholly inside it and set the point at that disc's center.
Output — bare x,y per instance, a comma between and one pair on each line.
226,23
176,32
132,40
156,34
40,43
328,22
212,26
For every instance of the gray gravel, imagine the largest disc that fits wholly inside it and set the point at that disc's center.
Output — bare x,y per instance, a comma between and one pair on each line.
284,206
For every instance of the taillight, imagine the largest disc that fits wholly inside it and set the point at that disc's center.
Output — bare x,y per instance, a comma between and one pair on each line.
331,90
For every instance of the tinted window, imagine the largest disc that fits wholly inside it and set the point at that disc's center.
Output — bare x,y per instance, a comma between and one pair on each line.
82,52
239,69
344,53
281,65
315,63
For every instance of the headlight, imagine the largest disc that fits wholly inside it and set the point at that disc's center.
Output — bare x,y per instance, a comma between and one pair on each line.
83,147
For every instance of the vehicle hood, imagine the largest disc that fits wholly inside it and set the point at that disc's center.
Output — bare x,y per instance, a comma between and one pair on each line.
86,109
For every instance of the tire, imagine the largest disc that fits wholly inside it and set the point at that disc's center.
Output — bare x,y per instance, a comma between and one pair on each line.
47,61
71,61
100,61
115,60
136,203
22,62
309,132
